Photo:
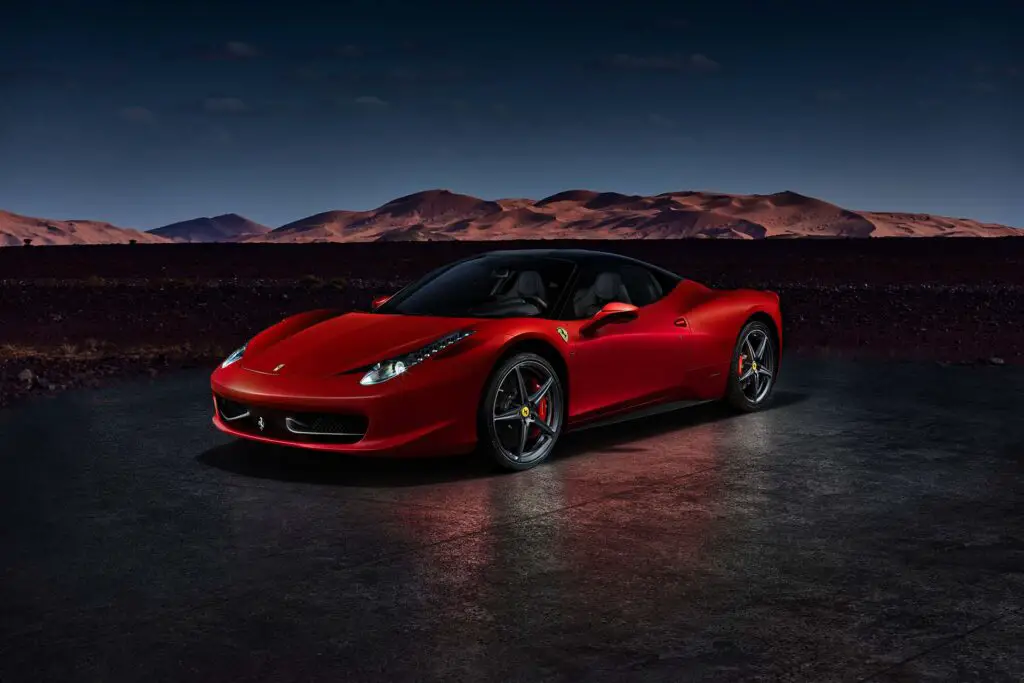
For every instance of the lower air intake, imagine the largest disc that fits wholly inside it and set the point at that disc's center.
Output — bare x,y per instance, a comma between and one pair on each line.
286,425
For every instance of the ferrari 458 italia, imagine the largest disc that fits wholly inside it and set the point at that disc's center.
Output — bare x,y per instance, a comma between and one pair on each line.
501,352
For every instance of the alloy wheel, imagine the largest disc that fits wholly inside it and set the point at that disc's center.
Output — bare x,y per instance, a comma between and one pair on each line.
756,365
527,411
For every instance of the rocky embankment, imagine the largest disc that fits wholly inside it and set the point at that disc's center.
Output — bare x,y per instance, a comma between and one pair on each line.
73,317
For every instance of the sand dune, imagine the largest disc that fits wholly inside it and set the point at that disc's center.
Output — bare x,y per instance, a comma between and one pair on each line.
229,227
573,214
587,214
926,225
15,229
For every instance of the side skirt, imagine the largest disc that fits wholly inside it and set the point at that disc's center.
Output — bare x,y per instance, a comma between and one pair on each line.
639,413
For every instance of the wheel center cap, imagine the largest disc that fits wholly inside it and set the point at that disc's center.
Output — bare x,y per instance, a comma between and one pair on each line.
525,411
753,365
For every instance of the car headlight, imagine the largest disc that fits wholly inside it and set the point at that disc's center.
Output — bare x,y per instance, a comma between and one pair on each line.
389,369
235,356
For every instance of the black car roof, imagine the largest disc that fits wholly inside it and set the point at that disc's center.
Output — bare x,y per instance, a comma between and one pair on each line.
581,257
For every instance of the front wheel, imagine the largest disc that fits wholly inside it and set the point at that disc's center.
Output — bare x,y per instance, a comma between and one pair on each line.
522,412
754,368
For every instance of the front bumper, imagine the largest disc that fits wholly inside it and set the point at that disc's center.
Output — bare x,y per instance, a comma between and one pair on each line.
418,414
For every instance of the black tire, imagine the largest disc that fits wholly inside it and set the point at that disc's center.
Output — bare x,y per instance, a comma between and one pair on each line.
740,395
501,396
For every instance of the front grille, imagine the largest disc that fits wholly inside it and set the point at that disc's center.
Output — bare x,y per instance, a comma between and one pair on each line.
302,427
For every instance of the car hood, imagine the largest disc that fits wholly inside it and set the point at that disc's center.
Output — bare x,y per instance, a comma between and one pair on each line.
347,342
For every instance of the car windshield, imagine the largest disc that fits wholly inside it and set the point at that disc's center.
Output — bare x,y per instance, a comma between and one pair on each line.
487,287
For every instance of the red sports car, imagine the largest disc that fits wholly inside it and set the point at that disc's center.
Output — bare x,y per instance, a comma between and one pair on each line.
503,352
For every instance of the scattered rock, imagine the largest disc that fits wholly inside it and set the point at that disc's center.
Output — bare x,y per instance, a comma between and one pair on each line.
26,376
996,360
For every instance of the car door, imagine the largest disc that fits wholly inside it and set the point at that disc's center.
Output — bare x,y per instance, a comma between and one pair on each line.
623,365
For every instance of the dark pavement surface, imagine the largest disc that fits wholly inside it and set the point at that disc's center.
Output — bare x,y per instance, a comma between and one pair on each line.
868,527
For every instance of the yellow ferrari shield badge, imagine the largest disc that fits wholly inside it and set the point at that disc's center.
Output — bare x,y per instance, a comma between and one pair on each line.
563,334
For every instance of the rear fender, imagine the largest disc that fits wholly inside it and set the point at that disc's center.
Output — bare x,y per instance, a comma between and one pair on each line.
715,324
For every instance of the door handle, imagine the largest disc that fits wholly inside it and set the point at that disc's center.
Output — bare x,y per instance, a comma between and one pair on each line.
681,321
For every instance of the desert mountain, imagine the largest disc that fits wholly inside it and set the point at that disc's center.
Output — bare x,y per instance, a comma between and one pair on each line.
586,214
435,215
229,227
15,229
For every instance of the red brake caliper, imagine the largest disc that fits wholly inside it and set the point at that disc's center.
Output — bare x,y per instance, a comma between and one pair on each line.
739,369
542,407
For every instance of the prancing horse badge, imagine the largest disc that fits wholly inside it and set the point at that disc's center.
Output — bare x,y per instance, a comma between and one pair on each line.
563,334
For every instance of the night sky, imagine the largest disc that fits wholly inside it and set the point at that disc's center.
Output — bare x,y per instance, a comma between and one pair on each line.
148,113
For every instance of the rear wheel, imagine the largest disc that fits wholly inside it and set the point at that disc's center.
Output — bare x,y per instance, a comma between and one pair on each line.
753,370
522,412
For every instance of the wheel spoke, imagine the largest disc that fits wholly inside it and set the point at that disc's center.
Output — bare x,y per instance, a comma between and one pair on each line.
750,349
521,384
757,385
764,372
544,426
523,432
747,375
510,415
759,352
542,391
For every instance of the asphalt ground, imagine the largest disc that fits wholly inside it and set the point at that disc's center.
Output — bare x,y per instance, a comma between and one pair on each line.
868,526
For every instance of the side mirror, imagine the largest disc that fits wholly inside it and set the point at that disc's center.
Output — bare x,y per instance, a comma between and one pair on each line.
378,302
614,312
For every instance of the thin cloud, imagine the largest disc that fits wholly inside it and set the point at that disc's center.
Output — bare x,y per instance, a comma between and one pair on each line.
703,63
370,101
32,76
217,135
319,52
437,73
310,73
624,61
225,105
425,49
695,63
660,120
832,95
231,50
240,50
136,114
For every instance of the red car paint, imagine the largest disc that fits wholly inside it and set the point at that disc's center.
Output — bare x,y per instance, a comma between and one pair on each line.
678,348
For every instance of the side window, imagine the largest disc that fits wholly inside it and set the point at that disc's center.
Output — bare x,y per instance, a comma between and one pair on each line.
641,285
624,283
